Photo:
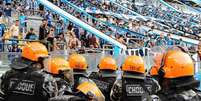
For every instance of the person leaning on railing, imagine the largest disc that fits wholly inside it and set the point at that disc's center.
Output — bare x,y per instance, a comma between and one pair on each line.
31,35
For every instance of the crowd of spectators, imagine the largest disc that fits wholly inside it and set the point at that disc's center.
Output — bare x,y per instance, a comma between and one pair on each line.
183,22
60,33
133,25
54,30
177,23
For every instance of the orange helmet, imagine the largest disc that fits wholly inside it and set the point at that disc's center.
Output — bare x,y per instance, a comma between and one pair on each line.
134,64
154,71
107,63
57,64
176,64
78,62
34,50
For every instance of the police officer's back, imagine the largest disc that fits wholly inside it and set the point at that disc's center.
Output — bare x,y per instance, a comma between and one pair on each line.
135,85
84,87
106,76
60,69
79,65
176,77
26,81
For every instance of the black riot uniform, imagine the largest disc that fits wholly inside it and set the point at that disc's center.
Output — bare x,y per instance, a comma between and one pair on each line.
139,89
136,86
64,88
25,83
104,83
78,79
176,76
135,89
180,89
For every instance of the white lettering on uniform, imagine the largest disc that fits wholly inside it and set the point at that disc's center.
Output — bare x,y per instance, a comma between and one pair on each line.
22,86
136,90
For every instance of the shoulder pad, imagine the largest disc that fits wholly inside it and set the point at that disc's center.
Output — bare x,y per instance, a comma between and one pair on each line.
8,73
48,77
84,79
19,64
187,95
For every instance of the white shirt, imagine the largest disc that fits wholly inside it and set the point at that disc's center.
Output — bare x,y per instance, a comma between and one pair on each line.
1,20
14,30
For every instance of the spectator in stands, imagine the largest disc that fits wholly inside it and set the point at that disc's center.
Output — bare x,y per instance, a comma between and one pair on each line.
15,47
84,39
120,38
59,28
93,42
51,39
8,11
49,18
70,28
160,41
151,31
169,40
73,43
31,35
23,23
19,8
43,30
1,17
33,7
2,30
41,9
1,3
76,31
14,30
60,42
141,29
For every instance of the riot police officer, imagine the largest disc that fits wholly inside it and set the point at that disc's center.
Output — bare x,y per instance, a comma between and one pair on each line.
176,77
60,69
79,65
107,75
83,85
26,81
135,84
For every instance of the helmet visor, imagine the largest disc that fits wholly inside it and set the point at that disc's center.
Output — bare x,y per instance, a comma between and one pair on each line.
156,55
